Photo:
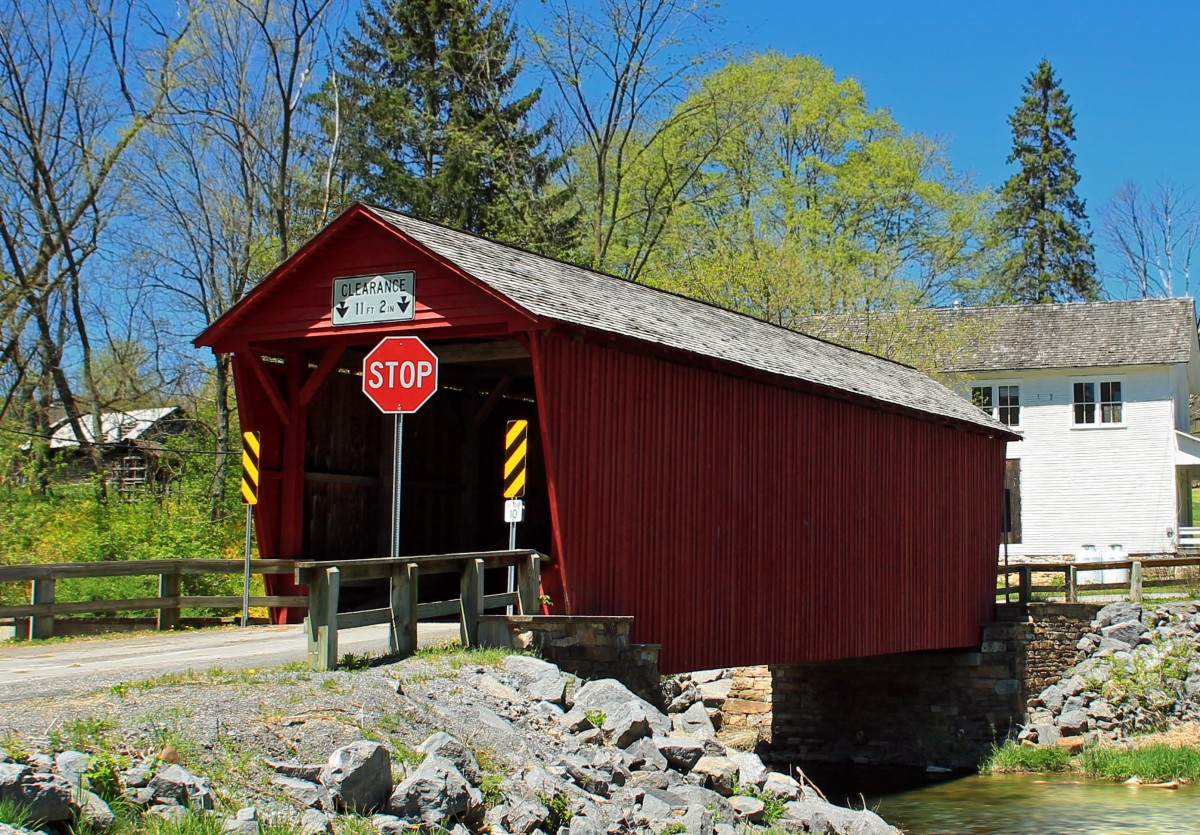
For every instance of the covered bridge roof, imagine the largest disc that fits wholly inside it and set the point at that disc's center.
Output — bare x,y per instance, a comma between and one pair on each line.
557,291
1076,335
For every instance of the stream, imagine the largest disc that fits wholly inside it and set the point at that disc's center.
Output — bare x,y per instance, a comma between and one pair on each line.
1023,804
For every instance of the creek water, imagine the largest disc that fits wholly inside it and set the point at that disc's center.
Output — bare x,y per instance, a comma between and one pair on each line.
1021,804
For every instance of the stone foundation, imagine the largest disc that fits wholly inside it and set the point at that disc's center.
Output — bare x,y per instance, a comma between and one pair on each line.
590,647
920,709
1056,629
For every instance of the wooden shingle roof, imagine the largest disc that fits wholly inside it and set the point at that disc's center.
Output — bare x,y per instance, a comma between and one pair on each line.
1078,335
565,293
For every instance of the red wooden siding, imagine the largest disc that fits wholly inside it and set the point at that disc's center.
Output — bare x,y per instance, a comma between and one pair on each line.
743,523
297,302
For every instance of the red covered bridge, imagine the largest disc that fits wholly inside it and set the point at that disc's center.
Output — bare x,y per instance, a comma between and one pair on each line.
749,494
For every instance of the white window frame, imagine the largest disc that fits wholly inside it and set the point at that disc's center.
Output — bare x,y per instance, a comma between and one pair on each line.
1097,380
995,386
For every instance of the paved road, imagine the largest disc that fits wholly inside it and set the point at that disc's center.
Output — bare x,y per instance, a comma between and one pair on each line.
57,670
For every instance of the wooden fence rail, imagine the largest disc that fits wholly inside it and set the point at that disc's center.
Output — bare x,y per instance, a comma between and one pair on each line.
324,580
42,608
1069,590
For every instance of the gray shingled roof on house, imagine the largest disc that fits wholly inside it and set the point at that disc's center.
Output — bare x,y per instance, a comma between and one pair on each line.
573,295
1078,335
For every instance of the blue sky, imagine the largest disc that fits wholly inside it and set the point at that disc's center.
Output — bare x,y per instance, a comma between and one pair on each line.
955,71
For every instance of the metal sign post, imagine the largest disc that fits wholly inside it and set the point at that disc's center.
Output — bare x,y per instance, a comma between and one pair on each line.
397,457
251,452
516,458
400,374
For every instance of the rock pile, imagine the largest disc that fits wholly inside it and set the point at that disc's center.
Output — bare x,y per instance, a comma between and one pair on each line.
587,758
1138,671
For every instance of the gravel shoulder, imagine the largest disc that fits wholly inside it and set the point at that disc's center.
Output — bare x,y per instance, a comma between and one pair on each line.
72,668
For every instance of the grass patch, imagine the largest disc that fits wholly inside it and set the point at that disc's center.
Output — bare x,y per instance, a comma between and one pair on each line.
1152,763
17,815
459,656
1039,759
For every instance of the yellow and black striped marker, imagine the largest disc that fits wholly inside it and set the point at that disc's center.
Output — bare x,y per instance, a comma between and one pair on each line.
516,448
250,458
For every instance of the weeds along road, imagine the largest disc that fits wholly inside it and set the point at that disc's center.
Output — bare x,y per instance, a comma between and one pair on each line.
72,668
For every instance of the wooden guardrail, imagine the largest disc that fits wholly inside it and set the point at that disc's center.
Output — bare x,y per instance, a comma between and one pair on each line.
1188,538
42,608
324,581
1069,590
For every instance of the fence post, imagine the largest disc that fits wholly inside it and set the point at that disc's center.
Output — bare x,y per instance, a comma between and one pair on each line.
529,580
1072,585
1025,594
41,591
402,639
170,586
1135,581
322,619
471,602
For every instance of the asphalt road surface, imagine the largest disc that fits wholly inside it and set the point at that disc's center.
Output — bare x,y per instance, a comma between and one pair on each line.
75,667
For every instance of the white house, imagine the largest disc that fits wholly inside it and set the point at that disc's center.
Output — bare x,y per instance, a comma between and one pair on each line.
1100,395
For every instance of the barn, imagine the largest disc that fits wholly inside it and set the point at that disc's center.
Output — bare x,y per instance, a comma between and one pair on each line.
751,495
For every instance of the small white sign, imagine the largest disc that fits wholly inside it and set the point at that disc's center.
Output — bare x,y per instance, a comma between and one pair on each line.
366,299
514,511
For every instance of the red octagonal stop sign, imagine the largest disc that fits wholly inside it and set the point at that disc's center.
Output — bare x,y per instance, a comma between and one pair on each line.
400,374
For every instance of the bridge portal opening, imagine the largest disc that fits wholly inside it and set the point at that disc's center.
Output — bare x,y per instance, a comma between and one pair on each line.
452,462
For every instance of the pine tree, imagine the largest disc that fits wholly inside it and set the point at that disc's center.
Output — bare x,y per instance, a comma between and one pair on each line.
432,127
1052,259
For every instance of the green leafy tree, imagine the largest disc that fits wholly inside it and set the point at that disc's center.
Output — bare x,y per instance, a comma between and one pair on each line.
1052,258
808,201
430,123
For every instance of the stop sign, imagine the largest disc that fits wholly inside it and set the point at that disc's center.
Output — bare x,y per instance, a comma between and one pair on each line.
400,374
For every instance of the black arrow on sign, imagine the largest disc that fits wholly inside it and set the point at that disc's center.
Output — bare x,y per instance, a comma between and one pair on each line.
342,308
403,305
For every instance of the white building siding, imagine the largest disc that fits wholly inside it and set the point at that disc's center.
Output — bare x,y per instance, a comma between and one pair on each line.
1102,484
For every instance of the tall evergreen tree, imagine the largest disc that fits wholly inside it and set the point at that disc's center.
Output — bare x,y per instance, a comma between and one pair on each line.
1052,258
432,126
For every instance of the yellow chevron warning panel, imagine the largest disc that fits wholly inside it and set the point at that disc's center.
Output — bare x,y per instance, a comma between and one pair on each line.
516,448
251,445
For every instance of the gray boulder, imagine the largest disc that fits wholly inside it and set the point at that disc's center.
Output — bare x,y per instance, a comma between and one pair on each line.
607,694
46,797
812,815
308,795
358,776
694,722
751,771
643,755
436,792
681,753
73,767
245,822
315,822
1117,613
1072,723
748,808
626,724
93,809
720,774
175,784
441,744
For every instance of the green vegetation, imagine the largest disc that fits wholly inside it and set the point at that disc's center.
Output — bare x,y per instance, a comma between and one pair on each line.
1153,682
17,815
1150,763
559,805
774,805
1051,256
459,656
1011,757
596,717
